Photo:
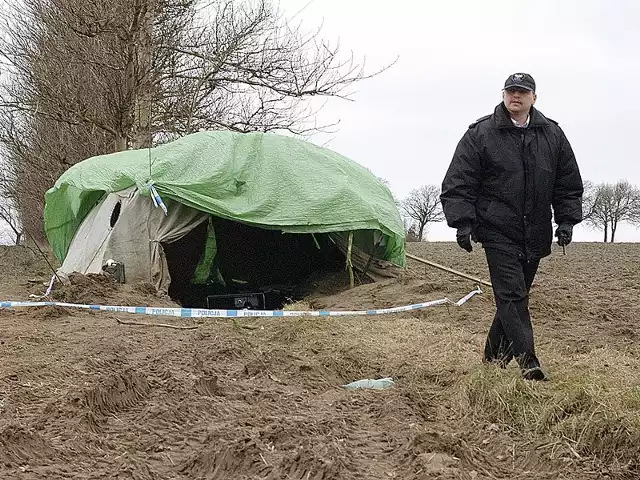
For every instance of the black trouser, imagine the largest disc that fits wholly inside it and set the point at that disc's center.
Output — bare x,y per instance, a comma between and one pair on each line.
511,334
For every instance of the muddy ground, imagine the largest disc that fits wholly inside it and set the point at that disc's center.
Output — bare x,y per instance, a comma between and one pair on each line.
84,396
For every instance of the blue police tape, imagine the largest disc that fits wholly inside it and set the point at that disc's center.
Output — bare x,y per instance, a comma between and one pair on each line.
206,313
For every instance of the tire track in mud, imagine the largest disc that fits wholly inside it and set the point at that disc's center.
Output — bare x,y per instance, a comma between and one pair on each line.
282,429
73,423
220,459
18,446
120,392
224,402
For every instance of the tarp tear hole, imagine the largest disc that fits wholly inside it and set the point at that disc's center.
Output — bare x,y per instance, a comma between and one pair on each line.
115,214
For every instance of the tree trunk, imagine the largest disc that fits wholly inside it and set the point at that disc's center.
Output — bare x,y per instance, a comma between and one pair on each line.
606,232
13,226
128,111
143,96
120,143
613,226
421,231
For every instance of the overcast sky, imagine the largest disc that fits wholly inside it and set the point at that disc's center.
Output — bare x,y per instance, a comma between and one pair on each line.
454,57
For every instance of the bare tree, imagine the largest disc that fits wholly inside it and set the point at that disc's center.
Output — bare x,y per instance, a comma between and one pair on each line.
625,203
9,216
66,95
410,230
247,68
424,207
597,205
88,63
86,78
607,205
35,153
173,68
588,200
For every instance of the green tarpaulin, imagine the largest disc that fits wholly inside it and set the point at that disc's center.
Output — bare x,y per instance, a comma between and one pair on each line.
265,180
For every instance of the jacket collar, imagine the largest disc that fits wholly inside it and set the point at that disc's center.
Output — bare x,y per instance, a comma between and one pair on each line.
502,119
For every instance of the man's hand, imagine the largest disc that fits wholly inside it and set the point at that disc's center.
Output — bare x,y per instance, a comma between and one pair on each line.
564,232
463,238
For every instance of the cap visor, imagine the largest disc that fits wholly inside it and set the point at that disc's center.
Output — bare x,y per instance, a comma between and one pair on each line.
518,86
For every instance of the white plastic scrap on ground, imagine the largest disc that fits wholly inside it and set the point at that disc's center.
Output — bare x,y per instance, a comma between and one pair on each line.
379,384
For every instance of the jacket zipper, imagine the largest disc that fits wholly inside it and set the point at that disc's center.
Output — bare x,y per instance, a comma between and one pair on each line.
526,193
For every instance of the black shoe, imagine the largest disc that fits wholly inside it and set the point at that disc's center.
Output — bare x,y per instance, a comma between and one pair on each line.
534,373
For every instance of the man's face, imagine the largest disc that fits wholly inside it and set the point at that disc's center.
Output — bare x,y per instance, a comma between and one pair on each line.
518,100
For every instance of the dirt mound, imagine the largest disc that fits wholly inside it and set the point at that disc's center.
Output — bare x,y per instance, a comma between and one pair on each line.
48,312
391,293
144,288
102,289
329,283
85,289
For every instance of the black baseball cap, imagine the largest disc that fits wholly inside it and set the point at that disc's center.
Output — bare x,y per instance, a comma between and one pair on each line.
520,80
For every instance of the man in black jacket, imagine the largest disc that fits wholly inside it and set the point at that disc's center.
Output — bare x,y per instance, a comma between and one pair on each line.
509,169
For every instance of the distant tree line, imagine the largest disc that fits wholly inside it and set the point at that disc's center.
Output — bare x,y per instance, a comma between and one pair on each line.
607,205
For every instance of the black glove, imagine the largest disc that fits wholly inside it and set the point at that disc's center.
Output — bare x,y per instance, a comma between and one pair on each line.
463,237
564,232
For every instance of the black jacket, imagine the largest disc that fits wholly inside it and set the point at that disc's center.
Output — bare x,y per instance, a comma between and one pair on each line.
503,181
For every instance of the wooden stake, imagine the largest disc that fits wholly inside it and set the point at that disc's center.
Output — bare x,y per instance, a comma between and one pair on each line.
165,325
349,264
447,269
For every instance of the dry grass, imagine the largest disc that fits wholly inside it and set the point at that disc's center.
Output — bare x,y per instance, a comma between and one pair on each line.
590,405
299,305
586,416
